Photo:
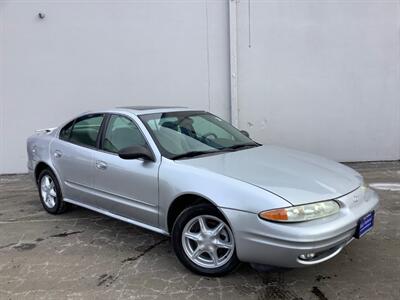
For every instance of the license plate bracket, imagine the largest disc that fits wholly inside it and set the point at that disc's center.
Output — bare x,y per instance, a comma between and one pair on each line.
365,224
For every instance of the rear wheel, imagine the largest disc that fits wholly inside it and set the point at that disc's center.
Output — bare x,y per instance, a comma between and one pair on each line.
50,193
204,242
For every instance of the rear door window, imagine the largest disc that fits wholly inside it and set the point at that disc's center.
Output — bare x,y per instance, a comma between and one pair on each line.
86,129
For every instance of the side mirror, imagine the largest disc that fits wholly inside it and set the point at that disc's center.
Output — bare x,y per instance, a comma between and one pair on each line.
136,152
244,132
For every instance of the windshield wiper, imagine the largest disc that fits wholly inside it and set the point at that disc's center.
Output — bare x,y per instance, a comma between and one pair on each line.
234,147
192,154
197,153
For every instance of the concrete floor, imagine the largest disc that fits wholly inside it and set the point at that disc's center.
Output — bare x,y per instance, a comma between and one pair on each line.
82,254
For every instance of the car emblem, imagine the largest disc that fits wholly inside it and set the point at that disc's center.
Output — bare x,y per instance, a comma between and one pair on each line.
356,199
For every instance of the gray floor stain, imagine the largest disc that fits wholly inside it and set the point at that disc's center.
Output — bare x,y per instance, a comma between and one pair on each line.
106,279
144,250
65,234
24,246
317,292
8,245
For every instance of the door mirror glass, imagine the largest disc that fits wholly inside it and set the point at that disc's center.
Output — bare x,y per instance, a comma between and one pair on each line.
244,132
135,152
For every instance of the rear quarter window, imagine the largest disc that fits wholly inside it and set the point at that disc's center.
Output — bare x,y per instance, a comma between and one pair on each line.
66,131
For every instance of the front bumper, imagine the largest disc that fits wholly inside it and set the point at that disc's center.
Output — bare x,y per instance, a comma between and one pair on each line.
281,244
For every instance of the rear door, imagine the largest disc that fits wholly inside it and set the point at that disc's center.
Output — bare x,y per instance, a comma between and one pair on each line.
128,188
73,157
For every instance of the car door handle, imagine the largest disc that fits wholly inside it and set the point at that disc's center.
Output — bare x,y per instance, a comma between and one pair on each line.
57,154
101,165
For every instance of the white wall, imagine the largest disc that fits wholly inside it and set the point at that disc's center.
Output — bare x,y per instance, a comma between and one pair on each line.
322,76
91,54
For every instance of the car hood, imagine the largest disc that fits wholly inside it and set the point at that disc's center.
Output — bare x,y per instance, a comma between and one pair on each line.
296,176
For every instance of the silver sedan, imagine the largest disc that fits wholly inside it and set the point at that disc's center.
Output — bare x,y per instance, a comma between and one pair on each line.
222,197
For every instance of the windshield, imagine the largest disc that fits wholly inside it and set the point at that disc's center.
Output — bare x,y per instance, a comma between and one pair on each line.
190,133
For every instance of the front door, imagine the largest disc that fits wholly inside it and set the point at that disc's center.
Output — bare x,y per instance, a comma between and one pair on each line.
128,188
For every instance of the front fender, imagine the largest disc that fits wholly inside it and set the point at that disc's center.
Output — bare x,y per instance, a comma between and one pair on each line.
224,192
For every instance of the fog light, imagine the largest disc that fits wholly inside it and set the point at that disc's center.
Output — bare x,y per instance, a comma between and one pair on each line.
307,256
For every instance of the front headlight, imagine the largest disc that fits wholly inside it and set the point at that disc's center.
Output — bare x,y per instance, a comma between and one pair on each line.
301,213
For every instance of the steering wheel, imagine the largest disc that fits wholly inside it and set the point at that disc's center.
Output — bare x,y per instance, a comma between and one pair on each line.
209,134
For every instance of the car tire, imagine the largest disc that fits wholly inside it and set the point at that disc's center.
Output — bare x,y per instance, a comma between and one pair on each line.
206,250
50,193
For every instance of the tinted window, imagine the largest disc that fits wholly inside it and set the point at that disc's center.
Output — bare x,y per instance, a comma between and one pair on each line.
122,133
86,129
177,133
210,126
66,131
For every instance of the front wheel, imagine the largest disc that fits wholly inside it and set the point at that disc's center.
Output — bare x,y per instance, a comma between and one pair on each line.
204,242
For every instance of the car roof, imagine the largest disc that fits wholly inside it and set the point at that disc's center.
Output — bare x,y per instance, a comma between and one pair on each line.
135,110
147,109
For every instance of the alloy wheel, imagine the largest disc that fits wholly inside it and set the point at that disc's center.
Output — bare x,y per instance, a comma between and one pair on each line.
208,241
48,191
